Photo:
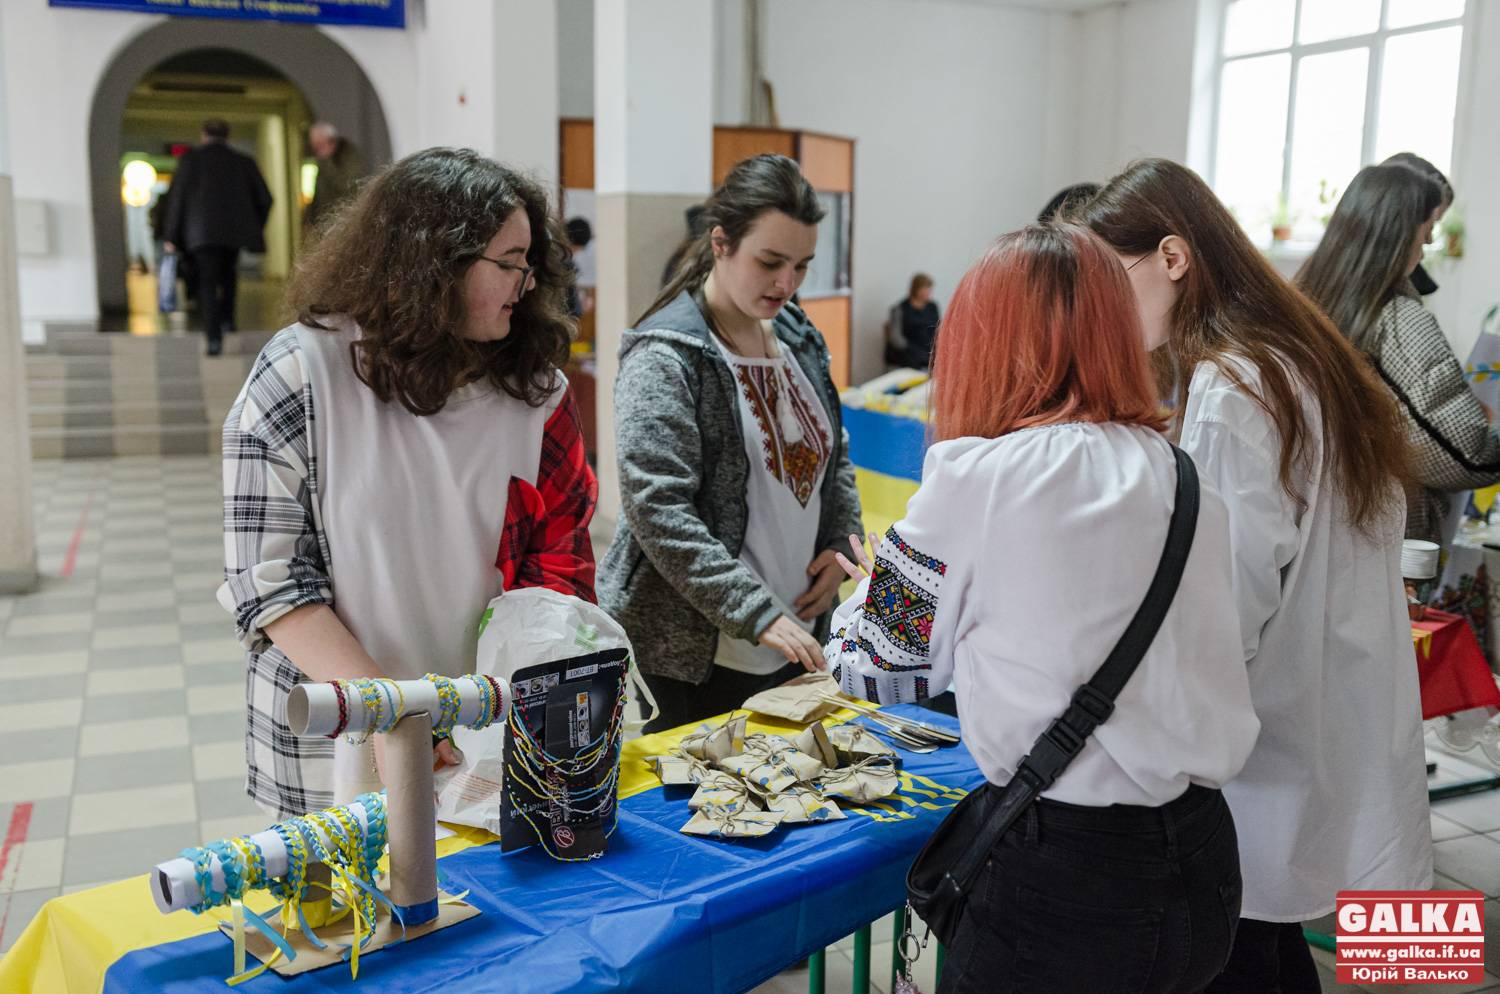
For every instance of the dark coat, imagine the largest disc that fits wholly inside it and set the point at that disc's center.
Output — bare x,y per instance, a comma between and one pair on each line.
338,177
218,197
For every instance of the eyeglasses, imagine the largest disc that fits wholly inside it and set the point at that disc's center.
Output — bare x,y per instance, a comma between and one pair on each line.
1138,261
511,267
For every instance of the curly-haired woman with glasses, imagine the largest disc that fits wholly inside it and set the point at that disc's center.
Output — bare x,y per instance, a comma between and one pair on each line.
402,454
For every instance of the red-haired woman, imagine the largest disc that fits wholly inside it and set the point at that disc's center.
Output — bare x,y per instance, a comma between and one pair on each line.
1297,432
1040,521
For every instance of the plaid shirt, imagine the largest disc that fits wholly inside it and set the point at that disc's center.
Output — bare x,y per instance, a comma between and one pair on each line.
277,554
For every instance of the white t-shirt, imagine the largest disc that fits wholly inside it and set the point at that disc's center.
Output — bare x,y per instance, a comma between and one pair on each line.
1017,567
412,508
789,442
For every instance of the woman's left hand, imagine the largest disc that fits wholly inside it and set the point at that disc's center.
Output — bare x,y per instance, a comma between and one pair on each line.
823,590
445,753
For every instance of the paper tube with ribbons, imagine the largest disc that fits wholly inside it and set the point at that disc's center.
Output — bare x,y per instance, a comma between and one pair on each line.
407,712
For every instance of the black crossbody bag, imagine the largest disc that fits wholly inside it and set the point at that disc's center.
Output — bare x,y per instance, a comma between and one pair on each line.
938,883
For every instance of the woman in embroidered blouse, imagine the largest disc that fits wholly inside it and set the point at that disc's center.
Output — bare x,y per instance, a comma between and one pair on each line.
735,480
1040,521
1298,433
381,459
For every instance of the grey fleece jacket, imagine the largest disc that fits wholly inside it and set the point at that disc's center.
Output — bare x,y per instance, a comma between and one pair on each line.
673,576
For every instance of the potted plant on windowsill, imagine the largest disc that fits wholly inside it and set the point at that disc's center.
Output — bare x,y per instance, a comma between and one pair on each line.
1451,228
1281,221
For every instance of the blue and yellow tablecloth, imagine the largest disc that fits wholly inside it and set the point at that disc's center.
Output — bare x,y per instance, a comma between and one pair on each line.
661,912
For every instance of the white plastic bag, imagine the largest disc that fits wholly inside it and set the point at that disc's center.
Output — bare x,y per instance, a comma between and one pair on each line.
522,628
166,283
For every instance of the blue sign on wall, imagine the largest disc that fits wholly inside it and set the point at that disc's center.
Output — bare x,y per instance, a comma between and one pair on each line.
366,13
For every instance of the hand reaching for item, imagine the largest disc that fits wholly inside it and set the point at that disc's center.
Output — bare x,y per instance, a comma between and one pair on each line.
865,564
444,753
792,641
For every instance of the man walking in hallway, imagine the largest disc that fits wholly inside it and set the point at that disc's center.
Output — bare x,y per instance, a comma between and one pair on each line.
218,205
340,168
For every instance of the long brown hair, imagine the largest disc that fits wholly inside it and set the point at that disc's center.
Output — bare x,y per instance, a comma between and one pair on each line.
1042,330
753,187
1233,305
393,260
1364,258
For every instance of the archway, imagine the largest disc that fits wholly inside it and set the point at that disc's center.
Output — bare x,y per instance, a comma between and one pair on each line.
334,85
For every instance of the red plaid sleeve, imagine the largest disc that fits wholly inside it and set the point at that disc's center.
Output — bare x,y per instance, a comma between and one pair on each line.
545,541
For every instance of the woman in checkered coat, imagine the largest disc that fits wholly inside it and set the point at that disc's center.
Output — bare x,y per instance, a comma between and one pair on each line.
402,454
1360,276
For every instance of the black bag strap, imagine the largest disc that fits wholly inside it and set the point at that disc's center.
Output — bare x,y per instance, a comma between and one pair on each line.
1093,702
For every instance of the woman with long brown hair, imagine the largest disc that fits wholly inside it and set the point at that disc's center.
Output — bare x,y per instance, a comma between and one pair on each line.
1049,482
402,454
1297,432
1361,275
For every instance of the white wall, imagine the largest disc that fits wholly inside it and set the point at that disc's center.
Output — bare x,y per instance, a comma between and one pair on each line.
948,103
1470,286
51,58
1135,84
575,58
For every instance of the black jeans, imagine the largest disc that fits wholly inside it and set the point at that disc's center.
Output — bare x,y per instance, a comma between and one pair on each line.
217,272
1268,958
1116,900
680,702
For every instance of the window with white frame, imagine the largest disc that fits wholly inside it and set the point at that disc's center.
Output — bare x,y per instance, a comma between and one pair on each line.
1311,90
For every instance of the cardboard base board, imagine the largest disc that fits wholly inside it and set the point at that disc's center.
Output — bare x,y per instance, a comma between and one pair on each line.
340,935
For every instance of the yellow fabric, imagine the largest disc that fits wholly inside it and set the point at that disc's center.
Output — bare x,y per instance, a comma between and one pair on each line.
882,498
72,941
1485,499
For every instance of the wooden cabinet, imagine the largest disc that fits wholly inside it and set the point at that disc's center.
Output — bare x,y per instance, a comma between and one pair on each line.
828,163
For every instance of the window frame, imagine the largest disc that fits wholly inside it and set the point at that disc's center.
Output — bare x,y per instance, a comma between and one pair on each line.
1374,42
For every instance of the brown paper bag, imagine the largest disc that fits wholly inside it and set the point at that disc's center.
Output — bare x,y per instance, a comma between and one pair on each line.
798,700
722,790
867,780
815,742
801,804
722,824
854,742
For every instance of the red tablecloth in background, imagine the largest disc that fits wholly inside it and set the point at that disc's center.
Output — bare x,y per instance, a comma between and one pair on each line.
1453,672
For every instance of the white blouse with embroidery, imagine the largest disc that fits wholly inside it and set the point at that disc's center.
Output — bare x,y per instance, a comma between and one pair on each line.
1017,567
789,443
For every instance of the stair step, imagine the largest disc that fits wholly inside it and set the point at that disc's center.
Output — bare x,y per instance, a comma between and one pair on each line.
95,343
123,440
146,365
189,412
101,391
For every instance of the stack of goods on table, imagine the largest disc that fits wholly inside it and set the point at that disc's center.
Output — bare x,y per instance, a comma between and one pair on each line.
746,784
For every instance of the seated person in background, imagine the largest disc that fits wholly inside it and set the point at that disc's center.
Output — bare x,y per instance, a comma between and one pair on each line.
580,233
912,326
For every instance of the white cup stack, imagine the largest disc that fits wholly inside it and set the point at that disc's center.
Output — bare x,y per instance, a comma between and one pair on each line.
1419,560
